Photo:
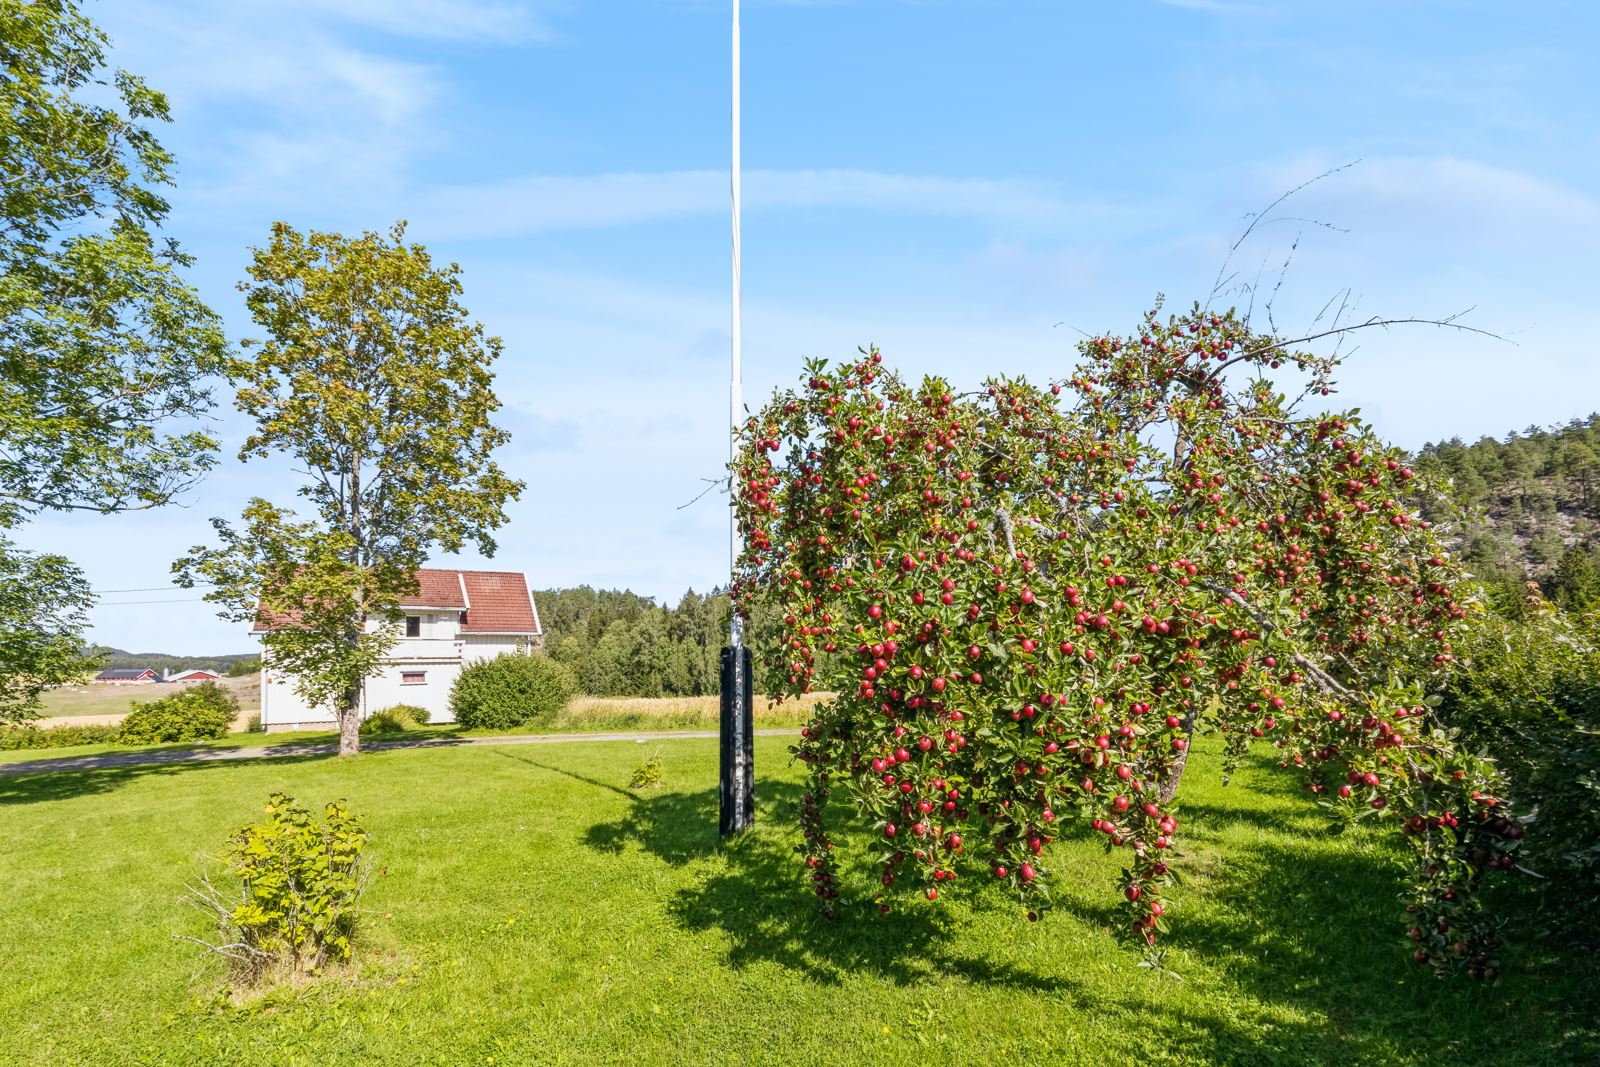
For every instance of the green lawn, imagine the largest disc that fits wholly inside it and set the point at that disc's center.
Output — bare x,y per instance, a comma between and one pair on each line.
530,909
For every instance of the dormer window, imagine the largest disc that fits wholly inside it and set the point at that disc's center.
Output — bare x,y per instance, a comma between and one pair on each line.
413,625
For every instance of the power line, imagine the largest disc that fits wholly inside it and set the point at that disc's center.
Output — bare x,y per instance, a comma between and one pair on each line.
153,589
133,603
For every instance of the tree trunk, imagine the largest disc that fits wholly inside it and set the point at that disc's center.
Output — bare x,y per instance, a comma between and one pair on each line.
350,728
1174,775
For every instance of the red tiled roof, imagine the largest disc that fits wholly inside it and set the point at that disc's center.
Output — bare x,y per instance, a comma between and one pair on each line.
495,602
498,603
438,589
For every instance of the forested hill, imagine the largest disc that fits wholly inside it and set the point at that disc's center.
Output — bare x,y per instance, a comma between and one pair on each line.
1538,494
165,661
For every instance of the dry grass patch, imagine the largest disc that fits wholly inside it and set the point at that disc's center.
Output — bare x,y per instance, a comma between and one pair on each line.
674,713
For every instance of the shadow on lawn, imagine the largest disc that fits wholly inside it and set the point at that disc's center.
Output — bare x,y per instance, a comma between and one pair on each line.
1303,931
757,903
42,786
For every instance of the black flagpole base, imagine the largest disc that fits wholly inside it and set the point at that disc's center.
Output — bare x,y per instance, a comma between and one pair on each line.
737,789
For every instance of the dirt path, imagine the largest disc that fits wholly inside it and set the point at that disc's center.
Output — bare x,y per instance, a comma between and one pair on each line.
207,755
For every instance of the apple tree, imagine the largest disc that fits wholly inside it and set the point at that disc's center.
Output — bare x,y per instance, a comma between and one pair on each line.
1028,600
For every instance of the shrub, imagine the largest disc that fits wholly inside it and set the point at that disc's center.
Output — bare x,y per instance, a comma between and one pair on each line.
511,690
21,737
399,718
1528,693
648,774
252,725
199,712
300,882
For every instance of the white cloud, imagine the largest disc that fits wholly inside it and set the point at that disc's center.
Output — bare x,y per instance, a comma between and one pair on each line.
539,203
1452,197
302,98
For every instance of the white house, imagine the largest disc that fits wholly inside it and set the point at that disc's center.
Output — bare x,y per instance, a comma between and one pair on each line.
456,618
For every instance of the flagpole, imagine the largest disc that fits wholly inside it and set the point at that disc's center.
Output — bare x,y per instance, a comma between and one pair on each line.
736,785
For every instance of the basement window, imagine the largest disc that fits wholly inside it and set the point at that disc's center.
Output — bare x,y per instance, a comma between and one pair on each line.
414,678
413,625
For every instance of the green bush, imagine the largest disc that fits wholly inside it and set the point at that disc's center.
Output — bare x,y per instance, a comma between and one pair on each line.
1527,692
510,691
20,737
394,720
300,882
199,712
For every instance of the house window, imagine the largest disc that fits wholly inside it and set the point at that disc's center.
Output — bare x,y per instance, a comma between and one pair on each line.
413,677
413,625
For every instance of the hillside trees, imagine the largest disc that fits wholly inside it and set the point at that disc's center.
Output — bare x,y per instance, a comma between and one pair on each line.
374,382
104,350
1034,598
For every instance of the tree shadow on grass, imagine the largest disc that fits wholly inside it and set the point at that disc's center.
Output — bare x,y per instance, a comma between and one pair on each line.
755,901
1295,932
43,786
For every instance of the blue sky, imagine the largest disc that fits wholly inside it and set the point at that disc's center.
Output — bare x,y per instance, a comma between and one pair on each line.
947,178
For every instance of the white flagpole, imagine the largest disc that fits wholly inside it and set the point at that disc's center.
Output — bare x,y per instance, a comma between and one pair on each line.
736,404
736,781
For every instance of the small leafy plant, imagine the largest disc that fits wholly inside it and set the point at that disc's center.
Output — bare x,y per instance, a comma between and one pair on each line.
300,883
648,774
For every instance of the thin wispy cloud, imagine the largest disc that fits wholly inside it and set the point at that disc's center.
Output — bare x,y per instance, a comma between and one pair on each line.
464,20
543,203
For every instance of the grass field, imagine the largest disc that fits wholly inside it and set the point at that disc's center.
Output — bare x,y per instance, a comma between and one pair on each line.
528,908
79,701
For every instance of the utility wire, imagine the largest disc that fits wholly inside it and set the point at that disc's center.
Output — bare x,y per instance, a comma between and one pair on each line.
132,603
153,588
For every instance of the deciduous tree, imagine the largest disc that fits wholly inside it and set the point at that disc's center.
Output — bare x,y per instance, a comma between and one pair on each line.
375,384
105,353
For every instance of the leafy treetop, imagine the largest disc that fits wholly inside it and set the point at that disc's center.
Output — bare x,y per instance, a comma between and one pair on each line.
1033,598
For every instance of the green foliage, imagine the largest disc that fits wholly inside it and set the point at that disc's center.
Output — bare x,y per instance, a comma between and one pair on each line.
618,643
1528,693
21,737
252,725
650,773
199,712
395,720
1035,596
510,691
301,882
44,608
243,668
102,346
374,380
104,352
